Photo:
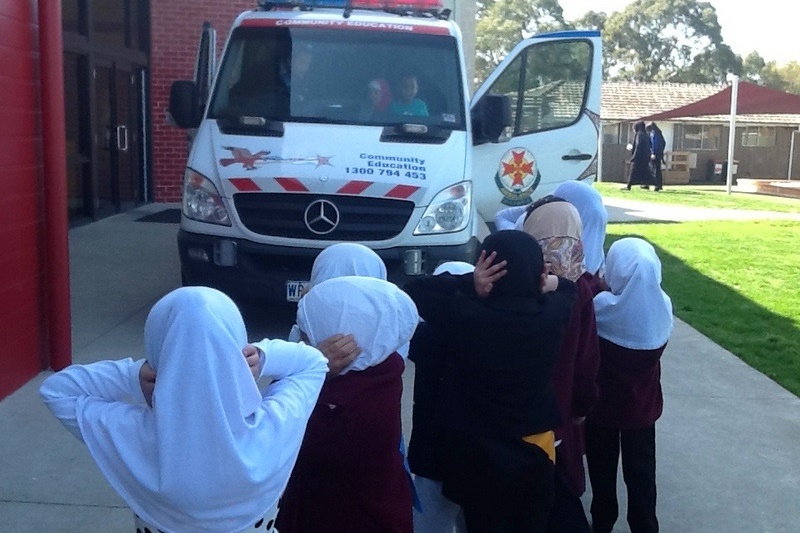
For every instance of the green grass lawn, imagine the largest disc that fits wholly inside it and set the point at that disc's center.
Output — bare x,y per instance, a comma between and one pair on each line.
702,196
735,282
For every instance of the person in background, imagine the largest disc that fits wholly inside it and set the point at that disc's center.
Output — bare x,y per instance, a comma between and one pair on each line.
657,146
185,436
594,219
556,225
349,475
634,322
496,409
407,102
428,347
640,158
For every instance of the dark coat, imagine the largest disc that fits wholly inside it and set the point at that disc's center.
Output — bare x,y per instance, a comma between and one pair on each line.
640,160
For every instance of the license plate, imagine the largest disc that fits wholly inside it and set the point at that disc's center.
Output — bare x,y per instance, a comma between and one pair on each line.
294,290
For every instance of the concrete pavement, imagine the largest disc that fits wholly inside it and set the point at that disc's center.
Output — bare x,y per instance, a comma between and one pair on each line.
728,442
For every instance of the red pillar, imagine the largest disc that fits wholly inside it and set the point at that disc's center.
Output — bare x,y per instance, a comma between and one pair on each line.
57,301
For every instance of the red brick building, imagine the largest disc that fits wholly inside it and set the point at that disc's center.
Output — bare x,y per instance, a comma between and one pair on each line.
83,135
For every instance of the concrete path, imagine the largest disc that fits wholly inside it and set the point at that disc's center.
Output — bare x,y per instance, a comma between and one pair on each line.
728,442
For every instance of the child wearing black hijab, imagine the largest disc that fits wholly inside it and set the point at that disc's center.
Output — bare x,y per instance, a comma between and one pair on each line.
496,409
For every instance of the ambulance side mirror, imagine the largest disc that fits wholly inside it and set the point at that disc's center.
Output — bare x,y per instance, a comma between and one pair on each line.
490,116
184,104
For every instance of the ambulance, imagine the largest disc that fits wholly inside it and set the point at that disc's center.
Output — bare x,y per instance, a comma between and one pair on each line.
328,122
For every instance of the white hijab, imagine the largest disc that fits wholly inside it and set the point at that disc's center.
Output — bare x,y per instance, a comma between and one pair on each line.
635,313
594,219
380,316
456,268
210,455
343,259
347,259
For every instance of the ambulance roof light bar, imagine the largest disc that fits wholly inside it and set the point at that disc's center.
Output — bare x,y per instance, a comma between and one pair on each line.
421,8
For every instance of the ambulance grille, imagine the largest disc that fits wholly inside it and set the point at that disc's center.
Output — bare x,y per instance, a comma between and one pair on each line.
360,218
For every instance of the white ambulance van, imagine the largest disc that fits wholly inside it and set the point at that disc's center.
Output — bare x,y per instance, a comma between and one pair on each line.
354,123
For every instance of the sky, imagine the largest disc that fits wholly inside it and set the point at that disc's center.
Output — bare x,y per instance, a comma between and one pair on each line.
762,25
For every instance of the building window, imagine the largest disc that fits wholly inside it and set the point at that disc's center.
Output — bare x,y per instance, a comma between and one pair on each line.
698,137
611,134
761,136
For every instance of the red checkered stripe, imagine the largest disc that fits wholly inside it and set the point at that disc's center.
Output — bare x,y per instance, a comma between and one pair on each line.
351,187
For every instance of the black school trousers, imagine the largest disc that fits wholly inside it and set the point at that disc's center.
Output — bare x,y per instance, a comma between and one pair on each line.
604,445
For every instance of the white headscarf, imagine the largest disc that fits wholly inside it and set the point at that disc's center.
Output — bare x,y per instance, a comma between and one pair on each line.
380,316
346,259
211,455
343,259
636,313
454,267
594,219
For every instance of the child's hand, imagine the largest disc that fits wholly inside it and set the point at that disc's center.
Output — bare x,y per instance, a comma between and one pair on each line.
340,350
549,283
486,274
253,359
147,381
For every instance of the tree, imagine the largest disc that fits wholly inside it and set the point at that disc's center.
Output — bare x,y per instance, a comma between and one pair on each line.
503,23
668,40
591,20
769,74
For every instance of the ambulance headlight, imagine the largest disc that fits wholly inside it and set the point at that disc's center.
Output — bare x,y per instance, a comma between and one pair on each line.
202,201
448,212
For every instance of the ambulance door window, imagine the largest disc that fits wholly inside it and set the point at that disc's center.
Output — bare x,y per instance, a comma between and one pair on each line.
547,85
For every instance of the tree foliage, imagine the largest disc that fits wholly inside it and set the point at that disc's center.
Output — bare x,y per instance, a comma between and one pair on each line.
503,23
785,78
668,40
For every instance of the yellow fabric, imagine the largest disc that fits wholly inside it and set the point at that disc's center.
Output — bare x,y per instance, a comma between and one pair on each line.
546,441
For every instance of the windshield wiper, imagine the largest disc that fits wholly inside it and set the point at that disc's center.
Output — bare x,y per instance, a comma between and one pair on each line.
415,133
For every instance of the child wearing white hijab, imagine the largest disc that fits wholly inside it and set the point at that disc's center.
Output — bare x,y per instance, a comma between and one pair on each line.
594,219
185,437
343,259
634,322
349,476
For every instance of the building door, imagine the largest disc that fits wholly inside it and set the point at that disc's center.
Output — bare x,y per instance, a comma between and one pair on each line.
118,180
106,56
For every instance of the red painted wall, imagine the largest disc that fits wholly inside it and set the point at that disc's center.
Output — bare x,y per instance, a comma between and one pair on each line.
175,32
21,218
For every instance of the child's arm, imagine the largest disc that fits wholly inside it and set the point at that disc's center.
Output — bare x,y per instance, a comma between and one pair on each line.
299,372
111,381
433,295
507,218
340,350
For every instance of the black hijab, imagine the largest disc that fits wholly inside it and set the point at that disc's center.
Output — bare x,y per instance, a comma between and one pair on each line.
525,263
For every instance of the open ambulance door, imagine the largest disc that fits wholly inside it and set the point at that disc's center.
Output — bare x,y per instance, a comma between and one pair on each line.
553,84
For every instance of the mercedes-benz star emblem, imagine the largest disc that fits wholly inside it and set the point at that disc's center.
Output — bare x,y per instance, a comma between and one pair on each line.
321,217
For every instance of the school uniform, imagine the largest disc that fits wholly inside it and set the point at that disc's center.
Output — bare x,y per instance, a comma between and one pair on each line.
496,409
211,454
556,226
634,320
436,514
349,474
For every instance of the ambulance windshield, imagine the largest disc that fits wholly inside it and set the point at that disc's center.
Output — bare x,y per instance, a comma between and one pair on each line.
339,76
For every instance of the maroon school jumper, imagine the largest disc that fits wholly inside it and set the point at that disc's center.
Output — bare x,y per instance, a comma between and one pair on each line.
349,476
630,387
575,384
